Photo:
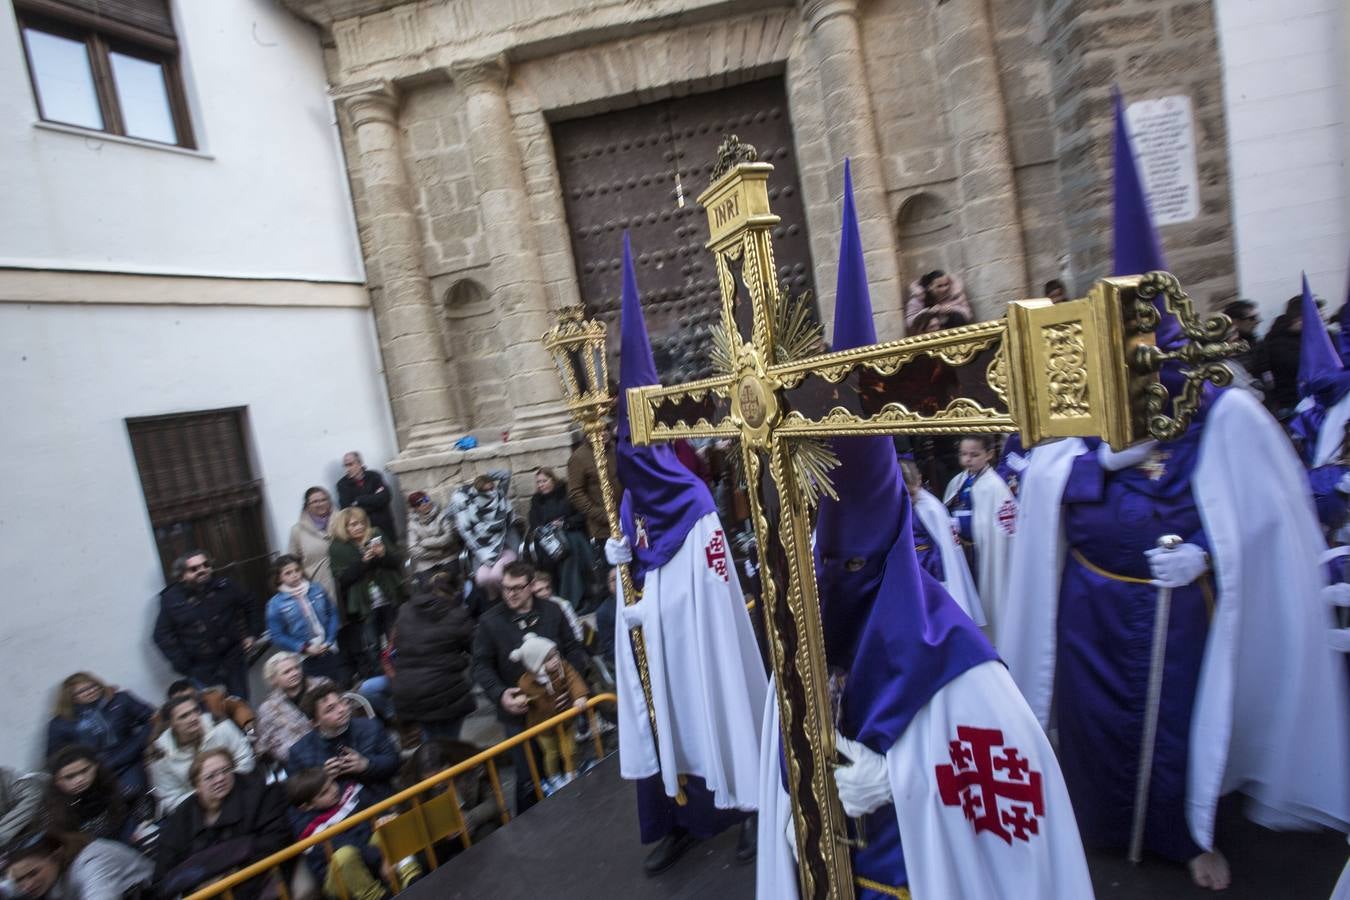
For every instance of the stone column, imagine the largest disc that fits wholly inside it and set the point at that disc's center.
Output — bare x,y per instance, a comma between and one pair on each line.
991,226
520,300
852,132
426,413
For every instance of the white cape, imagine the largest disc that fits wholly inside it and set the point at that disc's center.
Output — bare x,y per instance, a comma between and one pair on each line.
1277,727
956,573
993,521
945,855
1332,433
708,684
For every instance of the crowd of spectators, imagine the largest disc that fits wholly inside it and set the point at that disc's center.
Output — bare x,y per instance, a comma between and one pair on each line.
379,653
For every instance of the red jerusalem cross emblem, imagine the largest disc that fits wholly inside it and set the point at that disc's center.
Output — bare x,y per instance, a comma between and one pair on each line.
997,792
1007,516
716,551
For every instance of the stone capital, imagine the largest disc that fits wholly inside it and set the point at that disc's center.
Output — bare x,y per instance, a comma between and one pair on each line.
489,73
376,100
818,12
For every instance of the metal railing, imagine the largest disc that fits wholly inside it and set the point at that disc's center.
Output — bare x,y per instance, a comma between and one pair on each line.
271,865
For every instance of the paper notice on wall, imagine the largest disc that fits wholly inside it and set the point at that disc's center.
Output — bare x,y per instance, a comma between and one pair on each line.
1163,134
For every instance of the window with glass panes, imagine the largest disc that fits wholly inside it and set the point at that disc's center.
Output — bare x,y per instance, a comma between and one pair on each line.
107,65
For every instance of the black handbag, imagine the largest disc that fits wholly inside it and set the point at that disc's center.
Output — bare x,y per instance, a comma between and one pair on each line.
550,545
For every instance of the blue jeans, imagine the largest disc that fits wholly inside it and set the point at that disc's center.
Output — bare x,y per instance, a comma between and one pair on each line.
380,693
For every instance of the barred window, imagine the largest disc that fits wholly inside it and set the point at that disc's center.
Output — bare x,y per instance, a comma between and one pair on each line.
107,65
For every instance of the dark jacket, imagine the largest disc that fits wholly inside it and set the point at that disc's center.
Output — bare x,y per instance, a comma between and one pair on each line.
373,496
355,575
365,736
435,644
196,631
1283,348
583,488
500,631
252,825
605,615
117,727
545,508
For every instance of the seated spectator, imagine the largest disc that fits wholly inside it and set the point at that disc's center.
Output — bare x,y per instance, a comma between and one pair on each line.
85,796
364,489
370,587
206,625
21,803
1055,291
551,686
483,517
228,823
281,721
347,748
432,686
213,701
116,724
432,542
319,802
190,733
76,867
933,295
542,588
310,538
551,509
605,617
303,619
500,631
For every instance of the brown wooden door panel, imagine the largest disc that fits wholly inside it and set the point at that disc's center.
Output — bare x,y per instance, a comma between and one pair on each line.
618,172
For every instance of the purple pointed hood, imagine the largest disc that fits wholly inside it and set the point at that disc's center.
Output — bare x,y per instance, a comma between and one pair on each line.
1321,374
662,499
1135,248
887,623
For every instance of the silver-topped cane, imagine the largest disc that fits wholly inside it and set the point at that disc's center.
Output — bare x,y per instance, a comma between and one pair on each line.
1151,703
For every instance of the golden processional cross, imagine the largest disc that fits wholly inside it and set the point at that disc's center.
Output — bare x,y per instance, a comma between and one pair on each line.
1082,368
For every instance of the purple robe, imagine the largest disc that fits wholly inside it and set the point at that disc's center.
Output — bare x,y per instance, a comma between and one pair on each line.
658,814
1105,635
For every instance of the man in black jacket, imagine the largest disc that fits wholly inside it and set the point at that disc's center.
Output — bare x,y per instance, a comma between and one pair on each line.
501,630
366,488
206,625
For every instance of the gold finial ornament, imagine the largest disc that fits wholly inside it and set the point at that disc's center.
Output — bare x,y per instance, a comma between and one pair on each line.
1079,368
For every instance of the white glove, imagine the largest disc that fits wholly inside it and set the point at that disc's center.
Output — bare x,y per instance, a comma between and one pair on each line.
1337,594
1177,567
1343,486
1340,640
864,786
617,551
1112,461
632,615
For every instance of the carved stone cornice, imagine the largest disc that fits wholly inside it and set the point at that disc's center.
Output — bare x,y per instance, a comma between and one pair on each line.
490,73
376,100
818,12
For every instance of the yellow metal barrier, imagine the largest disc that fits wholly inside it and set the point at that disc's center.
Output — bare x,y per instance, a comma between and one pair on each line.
426,827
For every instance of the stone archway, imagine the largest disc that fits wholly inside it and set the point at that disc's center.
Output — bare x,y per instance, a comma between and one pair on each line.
925,236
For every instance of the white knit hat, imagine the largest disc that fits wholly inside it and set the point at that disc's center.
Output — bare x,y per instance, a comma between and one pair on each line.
532,652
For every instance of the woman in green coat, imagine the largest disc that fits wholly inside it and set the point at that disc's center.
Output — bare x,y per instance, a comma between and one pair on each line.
368,570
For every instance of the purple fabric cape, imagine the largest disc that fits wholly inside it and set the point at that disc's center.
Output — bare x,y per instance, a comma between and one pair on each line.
888,624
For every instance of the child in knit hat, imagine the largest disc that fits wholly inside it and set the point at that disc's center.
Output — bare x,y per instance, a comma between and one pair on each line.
552,686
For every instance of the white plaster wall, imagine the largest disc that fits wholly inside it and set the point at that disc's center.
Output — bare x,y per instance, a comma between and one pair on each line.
1285,100
79,568
266,195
